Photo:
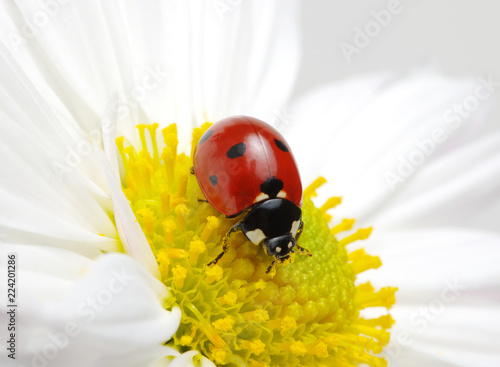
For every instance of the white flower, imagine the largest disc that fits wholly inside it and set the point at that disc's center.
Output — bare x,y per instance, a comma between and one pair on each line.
70,69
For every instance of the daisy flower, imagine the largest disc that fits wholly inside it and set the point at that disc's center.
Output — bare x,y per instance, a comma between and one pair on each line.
74,76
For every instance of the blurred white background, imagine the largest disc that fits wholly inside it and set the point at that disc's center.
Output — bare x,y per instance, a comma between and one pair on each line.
458,37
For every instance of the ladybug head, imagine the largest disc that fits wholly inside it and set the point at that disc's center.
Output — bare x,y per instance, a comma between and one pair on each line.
281,246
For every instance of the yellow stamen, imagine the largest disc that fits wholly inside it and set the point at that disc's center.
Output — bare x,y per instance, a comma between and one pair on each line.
165,202
212,223
121,150
254,346
168,230
346,225
330,204
142,129
187,339
225,324
367,297
385,321
197,133
183,178
229,298
176,253
148,220
286,325
361,234
362,261
163,261
196,248
179,274
152,133
219,355
181,211
213,274
296,347
310,191
257,315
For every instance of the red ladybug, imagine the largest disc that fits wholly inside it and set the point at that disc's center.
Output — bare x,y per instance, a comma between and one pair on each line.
242,165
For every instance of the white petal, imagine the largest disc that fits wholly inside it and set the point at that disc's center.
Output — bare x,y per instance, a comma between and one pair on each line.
79,312
446,308
424,262
459,334
182,61
358,132
460,188
133,238
319,118
53,190
57,189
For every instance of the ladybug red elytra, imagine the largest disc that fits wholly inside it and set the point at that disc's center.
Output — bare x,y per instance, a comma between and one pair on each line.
245,166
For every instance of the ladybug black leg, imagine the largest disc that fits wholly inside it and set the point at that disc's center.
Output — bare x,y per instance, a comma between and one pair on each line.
271,266
281,259
303,250
202,200
299,231
191,170
225,241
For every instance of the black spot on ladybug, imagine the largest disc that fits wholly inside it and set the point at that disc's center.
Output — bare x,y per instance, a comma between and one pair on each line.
236,150
205,136
281,145
213,180
272,186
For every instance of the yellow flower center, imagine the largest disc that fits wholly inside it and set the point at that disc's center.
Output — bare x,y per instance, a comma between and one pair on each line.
304,313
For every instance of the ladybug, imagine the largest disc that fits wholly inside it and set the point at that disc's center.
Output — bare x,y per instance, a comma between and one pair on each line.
244,166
